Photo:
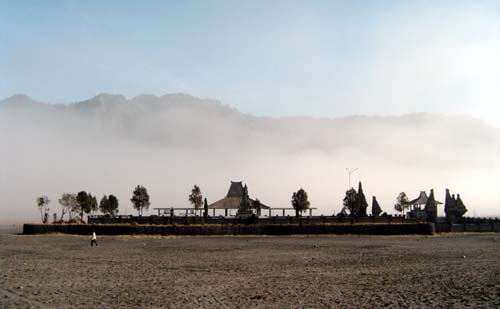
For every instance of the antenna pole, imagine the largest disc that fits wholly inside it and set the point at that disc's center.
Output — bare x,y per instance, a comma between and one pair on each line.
349,172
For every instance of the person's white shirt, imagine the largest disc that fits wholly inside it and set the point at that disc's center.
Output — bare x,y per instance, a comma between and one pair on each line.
94,237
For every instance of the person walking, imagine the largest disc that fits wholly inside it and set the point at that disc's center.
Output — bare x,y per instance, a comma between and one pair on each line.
93,240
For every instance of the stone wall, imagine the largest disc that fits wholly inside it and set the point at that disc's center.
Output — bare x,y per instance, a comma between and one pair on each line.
480,226
231,229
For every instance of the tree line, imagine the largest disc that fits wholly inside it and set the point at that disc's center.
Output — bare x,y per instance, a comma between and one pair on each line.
83,203
76,205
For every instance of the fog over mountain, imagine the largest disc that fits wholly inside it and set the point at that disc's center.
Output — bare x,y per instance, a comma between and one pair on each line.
109,144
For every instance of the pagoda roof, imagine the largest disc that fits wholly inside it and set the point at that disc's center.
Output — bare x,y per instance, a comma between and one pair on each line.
422,199
235,190
233,198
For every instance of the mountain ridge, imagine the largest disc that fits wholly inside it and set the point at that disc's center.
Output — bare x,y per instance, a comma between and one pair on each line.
18,100
180,121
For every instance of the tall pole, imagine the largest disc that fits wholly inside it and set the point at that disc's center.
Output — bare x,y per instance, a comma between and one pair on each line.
349,172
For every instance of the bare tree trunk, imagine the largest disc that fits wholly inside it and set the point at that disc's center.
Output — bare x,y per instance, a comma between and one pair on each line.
63,212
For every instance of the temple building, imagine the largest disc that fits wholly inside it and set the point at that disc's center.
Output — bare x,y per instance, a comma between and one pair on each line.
454,208
420,201
233,200
418,204
376,210
430,209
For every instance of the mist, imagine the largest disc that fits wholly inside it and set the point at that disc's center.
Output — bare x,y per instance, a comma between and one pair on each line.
109,144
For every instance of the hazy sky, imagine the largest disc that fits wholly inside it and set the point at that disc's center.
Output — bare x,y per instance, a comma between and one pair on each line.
320,58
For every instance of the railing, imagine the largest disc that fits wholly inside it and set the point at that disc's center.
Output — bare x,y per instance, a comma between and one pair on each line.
232,220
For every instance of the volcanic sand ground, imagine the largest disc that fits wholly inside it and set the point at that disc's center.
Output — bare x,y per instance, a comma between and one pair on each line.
60,271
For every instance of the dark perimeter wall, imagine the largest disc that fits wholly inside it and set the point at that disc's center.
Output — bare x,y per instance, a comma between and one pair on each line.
232,229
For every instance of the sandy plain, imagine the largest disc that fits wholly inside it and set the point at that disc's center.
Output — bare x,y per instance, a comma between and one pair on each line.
62,271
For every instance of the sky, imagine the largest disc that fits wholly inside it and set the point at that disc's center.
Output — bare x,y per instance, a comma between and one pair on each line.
267,58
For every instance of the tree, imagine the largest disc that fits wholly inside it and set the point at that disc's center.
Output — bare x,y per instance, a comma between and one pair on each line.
113,205
351,202
104,205
398,208
300,201
195,198
94,206
68,203
402,202
85,202
205,209
74,210
42,202
140,199
109,205
361,200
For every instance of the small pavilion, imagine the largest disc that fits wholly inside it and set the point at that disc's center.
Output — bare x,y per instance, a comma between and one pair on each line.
417,206
232,200
420,201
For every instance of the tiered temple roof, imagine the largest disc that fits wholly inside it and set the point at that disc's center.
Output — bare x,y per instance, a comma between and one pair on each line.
233,198
421,200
